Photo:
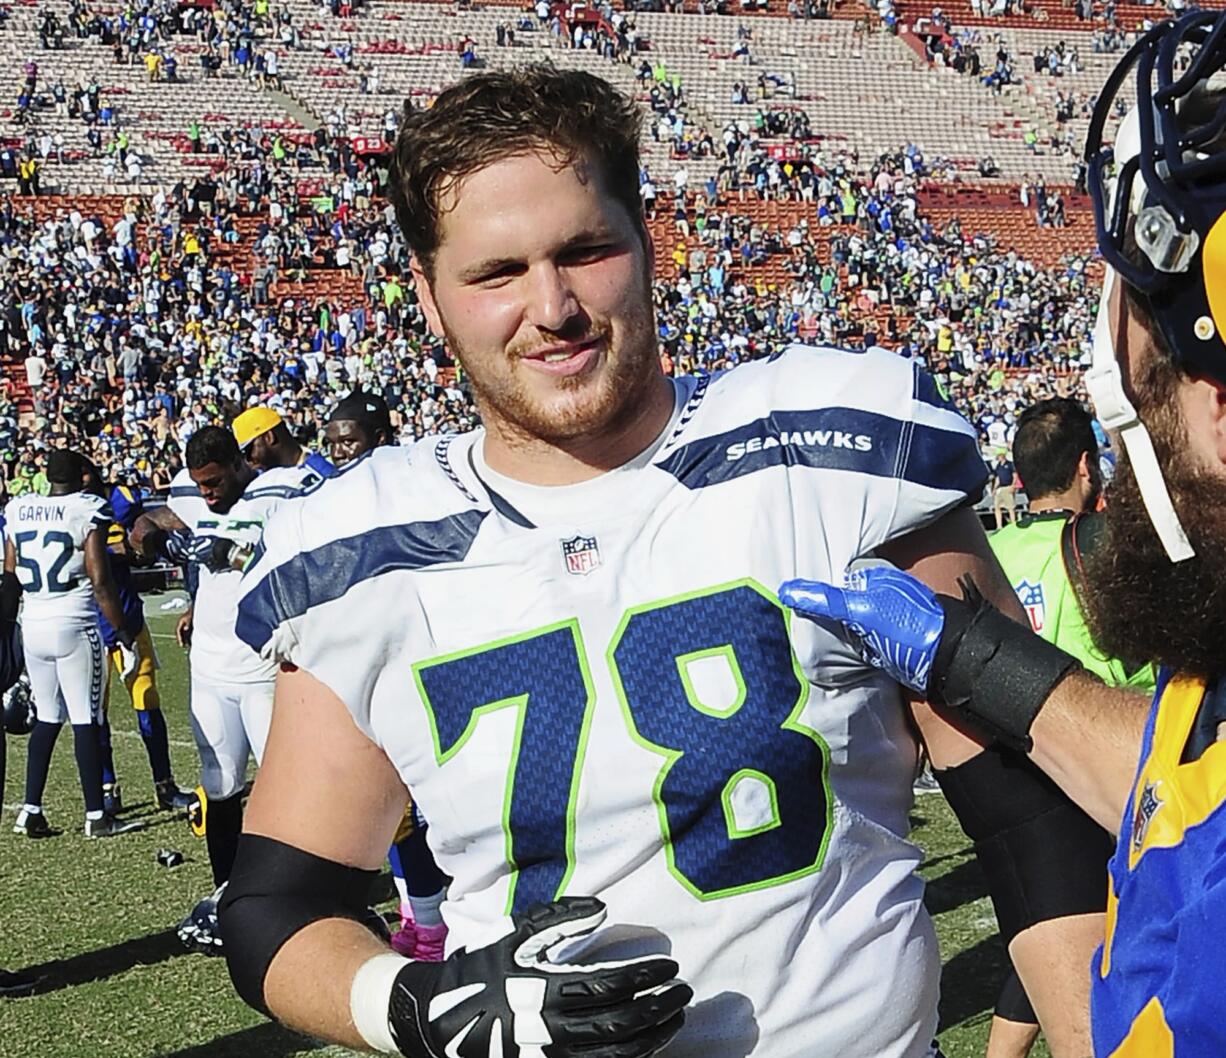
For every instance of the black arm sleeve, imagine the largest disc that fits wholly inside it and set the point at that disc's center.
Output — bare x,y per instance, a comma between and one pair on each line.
274,891
1044,858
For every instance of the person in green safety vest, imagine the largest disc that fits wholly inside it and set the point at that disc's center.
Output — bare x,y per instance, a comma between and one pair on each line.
1056,457
1055,454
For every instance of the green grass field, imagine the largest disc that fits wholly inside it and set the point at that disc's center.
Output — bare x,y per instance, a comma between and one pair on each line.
96,919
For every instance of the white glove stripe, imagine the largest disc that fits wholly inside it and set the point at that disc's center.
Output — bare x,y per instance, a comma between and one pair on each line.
445,1001
526,998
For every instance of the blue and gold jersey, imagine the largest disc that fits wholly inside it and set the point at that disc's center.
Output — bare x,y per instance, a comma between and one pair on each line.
126,506
1158,979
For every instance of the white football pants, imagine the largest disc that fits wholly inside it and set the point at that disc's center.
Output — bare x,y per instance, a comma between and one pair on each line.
67,666
229,722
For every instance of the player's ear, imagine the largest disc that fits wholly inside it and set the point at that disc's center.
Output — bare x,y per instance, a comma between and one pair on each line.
1083,466
425,295
1211,396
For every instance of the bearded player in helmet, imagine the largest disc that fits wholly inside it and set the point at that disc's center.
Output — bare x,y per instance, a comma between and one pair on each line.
1158,586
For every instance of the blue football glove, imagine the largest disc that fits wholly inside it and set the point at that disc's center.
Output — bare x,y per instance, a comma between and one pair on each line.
894,620
963,654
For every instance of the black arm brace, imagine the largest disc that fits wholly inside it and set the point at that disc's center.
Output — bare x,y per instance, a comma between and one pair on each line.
992,670
275,890
1043,857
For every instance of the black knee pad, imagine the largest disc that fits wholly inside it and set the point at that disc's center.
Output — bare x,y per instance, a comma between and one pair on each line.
275,891
1013,1003
1044,858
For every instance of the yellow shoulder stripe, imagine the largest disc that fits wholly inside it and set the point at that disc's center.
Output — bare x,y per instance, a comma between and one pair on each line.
1171,797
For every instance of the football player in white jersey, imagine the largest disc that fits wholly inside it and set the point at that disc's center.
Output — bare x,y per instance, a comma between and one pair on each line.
56,545
215,513
561,633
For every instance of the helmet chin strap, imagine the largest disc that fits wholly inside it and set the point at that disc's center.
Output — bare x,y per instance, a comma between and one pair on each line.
1115,412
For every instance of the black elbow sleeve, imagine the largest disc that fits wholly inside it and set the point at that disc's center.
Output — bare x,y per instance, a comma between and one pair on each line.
1043,857
274,891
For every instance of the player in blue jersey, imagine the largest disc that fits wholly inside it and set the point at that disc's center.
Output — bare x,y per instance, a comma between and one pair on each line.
560,632
139,678
1158,381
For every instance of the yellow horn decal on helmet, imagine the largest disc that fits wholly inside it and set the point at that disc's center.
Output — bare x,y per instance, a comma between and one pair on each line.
1213,266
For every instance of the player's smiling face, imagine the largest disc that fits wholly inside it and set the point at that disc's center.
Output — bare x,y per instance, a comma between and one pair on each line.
542,288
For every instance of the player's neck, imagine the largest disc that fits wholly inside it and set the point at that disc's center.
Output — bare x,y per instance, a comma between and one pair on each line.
512,452
1058,501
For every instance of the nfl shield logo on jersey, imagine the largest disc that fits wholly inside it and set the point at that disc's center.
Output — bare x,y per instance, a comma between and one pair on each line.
582,555
1031,596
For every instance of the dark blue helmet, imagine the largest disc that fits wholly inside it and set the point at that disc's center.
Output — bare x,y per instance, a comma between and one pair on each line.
1160,191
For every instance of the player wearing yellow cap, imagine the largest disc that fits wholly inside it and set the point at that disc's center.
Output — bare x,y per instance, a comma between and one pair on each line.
266,442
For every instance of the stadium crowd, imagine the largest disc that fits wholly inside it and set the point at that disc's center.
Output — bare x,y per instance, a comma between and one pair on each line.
199,302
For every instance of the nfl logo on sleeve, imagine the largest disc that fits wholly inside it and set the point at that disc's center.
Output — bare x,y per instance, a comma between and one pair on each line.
1031,596
582,555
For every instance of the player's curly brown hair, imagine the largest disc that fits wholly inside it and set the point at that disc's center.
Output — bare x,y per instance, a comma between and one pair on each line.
493,115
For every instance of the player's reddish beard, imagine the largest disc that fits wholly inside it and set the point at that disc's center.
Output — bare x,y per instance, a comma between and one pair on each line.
1140,605
598,405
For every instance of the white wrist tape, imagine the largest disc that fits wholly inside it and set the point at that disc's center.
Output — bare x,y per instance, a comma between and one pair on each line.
370,996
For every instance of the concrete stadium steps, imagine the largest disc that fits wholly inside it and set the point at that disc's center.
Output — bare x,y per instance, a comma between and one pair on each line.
156,115
1040,14
413,47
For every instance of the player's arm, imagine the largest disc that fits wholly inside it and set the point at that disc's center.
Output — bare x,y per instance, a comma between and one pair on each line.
302,876
939,554
307,984
10,557
1087,737
151,531
1044,860
98,569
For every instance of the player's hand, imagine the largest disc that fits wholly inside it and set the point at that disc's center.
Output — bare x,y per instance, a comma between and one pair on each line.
183,630
128,659
960,653
894,620
510,990
219,558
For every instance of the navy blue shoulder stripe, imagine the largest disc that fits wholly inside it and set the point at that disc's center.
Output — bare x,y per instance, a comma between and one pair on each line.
184,490
326,573
285,492
850,439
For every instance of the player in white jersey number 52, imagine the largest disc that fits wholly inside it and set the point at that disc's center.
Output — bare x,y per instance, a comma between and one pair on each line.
560,632
57,547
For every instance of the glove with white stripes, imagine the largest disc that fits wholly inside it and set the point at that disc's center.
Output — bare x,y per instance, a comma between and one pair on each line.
507,999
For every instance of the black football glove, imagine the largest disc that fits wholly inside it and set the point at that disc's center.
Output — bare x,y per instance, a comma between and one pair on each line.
508,999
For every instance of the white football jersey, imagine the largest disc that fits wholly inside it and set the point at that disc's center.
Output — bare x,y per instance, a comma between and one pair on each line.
593,689
48,534
215,651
